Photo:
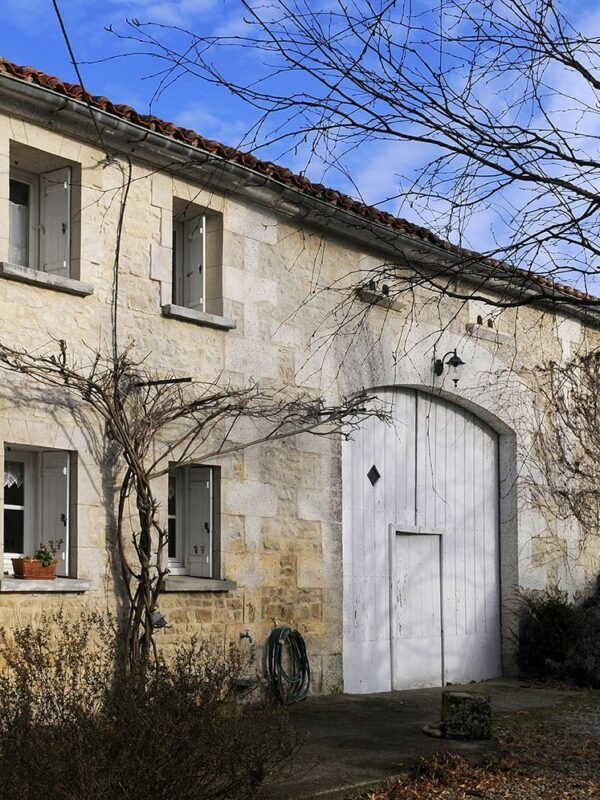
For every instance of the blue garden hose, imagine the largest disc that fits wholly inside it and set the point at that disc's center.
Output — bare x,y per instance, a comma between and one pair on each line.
292,686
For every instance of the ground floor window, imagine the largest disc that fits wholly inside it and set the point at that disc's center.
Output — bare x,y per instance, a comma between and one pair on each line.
193,520
37,497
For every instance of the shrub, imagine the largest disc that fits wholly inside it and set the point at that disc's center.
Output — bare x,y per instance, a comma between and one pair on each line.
560,638
582,659
72,727
545,630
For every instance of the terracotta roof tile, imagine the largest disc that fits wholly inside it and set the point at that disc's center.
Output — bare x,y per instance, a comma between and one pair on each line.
281,174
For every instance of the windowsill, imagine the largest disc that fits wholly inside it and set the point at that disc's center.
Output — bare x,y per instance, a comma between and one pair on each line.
374,298
36,277
60,585
478,331
185,583
198,317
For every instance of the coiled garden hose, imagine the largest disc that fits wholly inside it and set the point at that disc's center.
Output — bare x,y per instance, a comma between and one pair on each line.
290,684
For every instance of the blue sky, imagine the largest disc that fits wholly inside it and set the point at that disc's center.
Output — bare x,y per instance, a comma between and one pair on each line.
30,34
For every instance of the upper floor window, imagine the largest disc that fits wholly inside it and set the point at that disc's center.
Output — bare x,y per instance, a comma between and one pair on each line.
197,256
189,259
42,231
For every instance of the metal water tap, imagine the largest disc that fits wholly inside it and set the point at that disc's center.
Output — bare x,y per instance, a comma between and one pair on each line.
247,635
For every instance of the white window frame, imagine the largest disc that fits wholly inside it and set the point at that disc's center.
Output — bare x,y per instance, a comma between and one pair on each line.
179,564
42,232
33,181
33,485
30,498
182,258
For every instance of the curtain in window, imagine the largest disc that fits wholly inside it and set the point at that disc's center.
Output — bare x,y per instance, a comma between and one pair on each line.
13,474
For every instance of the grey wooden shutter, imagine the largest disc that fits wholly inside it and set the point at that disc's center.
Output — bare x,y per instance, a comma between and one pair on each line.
55,221
54,474
200,521
193,263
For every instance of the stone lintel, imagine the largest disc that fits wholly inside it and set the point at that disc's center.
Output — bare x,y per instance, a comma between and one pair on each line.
36,277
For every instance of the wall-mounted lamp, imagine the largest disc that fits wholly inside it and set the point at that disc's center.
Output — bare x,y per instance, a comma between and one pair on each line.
452,360
158,621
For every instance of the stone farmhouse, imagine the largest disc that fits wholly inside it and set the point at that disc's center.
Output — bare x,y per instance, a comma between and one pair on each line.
398,554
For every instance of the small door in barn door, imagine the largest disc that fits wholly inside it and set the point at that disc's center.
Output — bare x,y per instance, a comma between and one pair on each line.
416,614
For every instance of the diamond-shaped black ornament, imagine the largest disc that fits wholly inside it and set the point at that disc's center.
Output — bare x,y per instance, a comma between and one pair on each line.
373,475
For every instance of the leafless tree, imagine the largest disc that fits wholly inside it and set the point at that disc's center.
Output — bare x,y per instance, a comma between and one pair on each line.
497,100
157,424
565,454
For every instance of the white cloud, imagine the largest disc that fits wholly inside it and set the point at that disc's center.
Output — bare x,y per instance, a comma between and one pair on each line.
171,12
207,124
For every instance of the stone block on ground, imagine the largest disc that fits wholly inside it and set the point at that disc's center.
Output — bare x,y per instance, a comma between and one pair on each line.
466,715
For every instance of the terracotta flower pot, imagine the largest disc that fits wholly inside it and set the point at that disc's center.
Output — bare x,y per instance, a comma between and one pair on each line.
32,569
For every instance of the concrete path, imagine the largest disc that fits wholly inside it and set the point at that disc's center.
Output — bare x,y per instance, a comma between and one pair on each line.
356,742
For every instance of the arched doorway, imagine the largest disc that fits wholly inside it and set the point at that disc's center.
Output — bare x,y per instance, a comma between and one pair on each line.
421,556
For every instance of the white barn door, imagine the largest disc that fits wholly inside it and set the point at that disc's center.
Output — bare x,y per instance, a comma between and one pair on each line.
421,552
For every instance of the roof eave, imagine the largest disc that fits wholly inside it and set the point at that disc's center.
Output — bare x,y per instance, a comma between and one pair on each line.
73,117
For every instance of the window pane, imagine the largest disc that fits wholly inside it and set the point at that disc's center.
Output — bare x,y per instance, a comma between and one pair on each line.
13,531
14,483
193,263
19,223
19,193
172,510
172,538
174,268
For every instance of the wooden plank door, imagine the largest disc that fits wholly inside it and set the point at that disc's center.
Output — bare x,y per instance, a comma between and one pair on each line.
457,480
437,580
415,603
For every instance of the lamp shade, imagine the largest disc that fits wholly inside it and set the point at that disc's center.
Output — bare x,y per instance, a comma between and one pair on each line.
456,364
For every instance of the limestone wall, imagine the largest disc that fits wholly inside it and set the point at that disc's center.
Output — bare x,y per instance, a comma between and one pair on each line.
281,505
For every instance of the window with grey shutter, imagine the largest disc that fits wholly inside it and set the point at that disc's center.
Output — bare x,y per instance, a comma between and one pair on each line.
54,501
193,251
200,521
55,222
189,281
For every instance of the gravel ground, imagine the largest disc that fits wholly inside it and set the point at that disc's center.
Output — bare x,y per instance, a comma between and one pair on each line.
545,754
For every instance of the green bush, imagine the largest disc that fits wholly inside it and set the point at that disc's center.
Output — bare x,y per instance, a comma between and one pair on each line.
73,728
560,638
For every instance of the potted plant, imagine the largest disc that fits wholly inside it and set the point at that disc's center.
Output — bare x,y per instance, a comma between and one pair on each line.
41,566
